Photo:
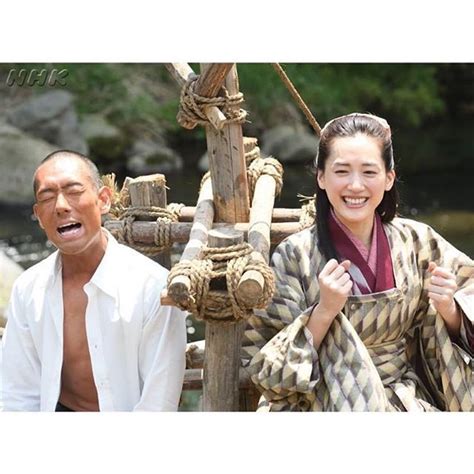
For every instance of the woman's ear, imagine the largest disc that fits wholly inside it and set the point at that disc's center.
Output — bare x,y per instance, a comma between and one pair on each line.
390,180
320,178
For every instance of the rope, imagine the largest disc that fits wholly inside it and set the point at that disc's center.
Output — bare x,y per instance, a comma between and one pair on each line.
269,166
294,93
162,233
219,263
192,105
256,167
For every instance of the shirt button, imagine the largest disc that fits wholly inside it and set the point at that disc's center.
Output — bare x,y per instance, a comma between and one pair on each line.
353,307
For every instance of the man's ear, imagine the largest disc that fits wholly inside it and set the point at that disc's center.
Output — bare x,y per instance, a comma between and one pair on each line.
35,212
320,178
105,199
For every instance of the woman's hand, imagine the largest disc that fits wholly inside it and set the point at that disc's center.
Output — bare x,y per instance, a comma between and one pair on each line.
441,293
335,286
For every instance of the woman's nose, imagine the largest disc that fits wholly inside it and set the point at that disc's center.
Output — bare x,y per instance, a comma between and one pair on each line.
356,183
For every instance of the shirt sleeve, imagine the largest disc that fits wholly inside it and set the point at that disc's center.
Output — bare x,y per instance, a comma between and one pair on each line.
162,357
284,364
21,367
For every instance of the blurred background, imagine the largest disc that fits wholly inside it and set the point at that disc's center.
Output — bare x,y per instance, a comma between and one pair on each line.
124,117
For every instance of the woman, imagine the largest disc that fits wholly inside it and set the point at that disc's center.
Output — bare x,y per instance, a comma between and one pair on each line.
371,311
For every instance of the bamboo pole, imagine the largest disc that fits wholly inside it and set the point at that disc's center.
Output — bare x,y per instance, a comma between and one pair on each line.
178,289
251,284
150,191
278,214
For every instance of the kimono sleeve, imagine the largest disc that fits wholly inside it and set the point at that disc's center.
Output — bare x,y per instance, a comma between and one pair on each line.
284,364
446,255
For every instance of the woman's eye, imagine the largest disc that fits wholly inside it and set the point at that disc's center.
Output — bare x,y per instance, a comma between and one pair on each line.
341,172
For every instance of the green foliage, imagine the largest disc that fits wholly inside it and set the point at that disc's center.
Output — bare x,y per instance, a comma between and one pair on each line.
404,93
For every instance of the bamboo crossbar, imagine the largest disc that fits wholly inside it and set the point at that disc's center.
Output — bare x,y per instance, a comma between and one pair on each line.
278,214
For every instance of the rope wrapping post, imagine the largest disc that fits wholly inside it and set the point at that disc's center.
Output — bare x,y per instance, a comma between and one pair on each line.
192,106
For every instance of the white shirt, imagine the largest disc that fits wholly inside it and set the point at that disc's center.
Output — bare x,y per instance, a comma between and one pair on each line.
137,347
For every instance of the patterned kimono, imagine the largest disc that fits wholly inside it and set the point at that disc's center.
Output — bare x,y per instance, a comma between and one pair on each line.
386,351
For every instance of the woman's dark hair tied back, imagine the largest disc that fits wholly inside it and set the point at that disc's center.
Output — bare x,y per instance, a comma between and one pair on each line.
350,126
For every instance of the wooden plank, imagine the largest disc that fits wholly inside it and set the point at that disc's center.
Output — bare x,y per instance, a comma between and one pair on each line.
150,190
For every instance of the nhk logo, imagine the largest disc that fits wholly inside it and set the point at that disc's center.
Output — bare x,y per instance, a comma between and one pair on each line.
39,77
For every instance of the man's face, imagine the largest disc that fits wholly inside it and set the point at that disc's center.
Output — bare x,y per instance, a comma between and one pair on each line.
68,205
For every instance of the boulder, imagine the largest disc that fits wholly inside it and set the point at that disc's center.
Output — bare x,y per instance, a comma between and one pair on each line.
148,157
51,117
290,144
10,271
106,142
20,155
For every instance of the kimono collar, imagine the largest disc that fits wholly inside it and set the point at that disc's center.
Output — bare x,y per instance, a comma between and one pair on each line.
367,278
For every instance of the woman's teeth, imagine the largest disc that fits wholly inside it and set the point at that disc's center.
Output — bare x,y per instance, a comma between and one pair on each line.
355,201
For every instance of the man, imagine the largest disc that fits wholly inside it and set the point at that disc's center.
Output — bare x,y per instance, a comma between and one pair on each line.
85,330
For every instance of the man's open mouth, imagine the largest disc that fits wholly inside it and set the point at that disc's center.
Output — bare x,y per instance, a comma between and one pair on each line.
69,229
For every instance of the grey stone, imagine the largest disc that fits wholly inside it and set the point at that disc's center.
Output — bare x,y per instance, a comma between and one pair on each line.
52,117
105,141
148,156
20,155
290,144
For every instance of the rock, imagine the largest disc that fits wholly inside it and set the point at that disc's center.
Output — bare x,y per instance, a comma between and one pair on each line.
20,155
147,157
10,271
290,143
52,117
106,142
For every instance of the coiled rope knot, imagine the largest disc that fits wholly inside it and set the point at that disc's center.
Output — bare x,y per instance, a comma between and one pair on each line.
162,233
265,166
191,109
229,264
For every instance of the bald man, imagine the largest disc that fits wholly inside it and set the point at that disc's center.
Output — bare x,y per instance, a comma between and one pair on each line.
86,330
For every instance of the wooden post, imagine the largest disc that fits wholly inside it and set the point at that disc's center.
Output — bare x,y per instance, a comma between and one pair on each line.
227,165
150,191
222,349
208,85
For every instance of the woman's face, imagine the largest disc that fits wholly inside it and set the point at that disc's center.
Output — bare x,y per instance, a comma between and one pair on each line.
355,180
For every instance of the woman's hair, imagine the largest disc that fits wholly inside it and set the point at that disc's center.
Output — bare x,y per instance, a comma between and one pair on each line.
349,126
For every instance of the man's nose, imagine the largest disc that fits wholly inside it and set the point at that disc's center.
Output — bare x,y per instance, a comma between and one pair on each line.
62,204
